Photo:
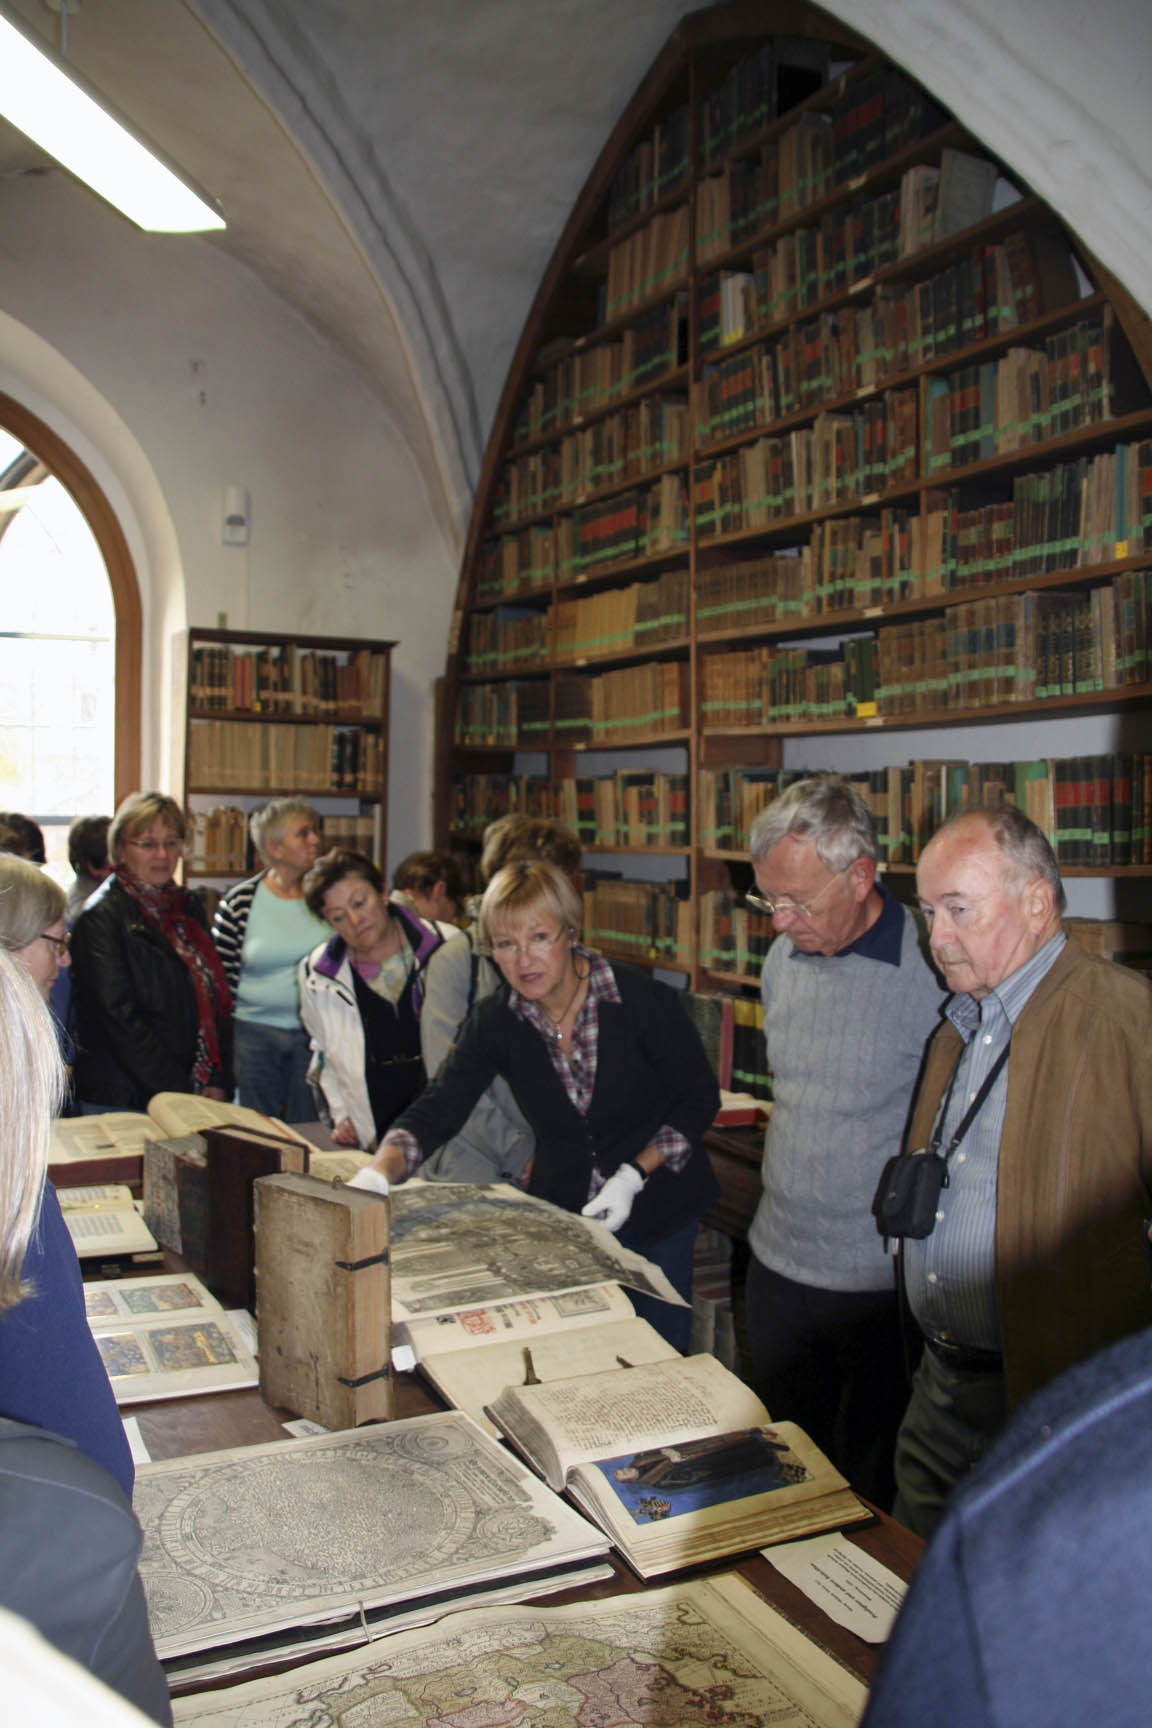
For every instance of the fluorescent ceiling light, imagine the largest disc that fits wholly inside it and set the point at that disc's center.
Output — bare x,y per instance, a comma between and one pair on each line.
42,96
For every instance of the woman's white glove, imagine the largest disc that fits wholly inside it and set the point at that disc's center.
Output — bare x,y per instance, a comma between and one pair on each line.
374,1180
612,1206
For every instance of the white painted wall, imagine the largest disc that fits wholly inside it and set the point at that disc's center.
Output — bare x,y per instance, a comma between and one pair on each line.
174,373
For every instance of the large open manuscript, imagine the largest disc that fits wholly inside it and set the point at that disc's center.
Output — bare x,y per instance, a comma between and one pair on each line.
302,1545
710,1654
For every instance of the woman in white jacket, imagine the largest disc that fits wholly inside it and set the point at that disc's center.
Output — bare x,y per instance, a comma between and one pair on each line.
360,998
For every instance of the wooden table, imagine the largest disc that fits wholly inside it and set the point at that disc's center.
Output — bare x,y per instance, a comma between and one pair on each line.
178,1427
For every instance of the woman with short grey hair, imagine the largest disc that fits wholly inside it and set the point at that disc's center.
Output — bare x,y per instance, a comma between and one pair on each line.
262,930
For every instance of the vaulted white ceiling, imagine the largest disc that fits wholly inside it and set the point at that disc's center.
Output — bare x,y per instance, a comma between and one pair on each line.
400,170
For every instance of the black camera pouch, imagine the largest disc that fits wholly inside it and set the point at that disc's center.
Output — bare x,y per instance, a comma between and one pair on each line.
908,1194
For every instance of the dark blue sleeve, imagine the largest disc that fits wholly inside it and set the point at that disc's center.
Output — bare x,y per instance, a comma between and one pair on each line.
51,1373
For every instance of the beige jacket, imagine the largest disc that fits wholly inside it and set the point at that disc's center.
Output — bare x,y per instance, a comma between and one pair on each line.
1073,1190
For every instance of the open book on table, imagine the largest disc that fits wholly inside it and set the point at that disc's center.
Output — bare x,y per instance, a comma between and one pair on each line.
110,1148
165,1337
103,1222
471,1354
679,1462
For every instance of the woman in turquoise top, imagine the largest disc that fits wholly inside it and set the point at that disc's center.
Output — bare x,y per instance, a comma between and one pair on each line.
262,931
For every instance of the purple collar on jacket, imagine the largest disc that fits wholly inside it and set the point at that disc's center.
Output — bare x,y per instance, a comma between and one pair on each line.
422,939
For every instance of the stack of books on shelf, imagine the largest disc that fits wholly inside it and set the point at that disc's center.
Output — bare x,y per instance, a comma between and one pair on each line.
510,714
579,378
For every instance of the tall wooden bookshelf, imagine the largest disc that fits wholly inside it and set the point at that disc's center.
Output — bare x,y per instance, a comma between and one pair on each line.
269,715
821,427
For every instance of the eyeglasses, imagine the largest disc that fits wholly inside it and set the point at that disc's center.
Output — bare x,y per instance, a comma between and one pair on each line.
157,845
538,946
791,908
60,943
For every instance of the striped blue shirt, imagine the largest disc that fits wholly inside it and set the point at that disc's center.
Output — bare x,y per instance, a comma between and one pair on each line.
950,1276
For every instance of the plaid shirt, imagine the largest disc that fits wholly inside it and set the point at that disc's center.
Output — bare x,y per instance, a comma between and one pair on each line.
576,1071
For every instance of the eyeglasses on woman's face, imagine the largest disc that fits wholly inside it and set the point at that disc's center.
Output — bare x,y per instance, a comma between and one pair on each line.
58,943
537,947
153,846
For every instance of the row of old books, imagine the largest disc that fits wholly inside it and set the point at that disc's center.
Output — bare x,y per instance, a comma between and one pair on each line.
1011,648
639,809
1087,512
646,921
1026,397
217,841
844,249
839,457
289,680
749,198
614,621
628,445
648,263
652,170
237,755
734,941
629,525
824,149
1095,810
731,1028
613,707
577,377
634,808
992,290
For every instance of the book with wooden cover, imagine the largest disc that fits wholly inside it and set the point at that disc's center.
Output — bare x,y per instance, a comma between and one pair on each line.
679,1462
324,1300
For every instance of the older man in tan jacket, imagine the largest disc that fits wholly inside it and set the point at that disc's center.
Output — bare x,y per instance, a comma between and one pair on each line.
1038,1088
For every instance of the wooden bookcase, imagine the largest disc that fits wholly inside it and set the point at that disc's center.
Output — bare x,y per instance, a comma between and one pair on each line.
821,427
269,715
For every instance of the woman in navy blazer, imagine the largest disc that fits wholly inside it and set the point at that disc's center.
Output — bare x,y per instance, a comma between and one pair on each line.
606,1067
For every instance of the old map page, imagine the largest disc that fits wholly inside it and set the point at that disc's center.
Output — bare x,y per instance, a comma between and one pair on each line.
459,1246
401,1520
702,1655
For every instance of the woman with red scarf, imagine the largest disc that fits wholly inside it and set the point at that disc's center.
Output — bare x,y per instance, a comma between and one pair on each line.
152,1006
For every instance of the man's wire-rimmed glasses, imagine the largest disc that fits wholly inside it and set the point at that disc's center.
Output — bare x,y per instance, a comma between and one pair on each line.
791,908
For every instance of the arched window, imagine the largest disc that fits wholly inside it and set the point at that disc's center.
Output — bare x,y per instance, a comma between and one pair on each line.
69,636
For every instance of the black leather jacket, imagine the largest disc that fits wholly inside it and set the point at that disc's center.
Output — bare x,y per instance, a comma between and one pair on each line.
134,1006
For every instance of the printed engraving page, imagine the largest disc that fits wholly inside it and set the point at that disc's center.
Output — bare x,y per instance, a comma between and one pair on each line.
710,1652
263,1539
471,1379
458,1246
468,1328
573,1421
75,1138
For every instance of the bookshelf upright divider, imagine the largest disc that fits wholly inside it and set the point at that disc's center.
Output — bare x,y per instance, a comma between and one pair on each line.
269,715
821,426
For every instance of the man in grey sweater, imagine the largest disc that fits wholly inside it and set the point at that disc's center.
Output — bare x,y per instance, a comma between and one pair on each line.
849,1003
